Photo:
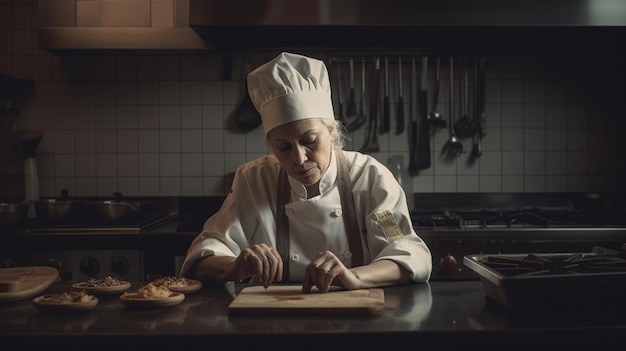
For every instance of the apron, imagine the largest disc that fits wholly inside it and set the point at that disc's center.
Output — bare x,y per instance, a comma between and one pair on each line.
348,213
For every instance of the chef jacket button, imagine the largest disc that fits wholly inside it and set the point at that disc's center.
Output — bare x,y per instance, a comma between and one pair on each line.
290,211
337,212
347,255
295,257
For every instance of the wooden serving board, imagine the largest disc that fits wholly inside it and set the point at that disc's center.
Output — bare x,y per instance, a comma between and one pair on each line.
289,299
19,283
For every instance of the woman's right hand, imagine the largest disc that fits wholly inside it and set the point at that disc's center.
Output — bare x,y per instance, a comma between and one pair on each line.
261,263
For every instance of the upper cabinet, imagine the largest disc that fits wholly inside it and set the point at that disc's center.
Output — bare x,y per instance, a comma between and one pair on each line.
116,25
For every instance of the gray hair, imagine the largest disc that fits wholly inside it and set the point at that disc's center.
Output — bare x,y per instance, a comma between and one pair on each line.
337,130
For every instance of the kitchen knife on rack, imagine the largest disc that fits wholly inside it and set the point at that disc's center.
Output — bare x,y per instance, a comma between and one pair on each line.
423,147
400,111
384,126
413,155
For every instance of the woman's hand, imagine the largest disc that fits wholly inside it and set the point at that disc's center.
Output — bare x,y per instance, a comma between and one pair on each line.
260,262
325,270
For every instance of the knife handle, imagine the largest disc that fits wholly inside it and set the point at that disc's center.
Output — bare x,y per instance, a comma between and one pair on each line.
400,116
385,125
423,146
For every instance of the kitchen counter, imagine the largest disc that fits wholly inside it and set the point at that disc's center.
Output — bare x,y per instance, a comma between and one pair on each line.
442,315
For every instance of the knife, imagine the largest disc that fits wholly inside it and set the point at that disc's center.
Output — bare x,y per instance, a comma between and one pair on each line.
400,113
384,126
423,147
413,156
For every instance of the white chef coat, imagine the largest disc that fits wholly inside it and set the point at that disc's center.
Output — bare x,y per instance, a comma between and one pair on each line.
248,214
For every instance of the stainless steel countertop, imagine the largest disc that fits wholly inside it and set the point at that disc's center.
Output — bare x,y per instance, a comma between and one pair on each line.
444,314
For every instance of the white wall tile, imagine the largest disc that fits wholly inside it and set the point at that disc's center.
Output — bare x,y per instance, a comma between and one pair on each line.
106,117
191,186
148,166
169,92
128,186
148,141
490,184
191,92
147,92
169,116
85,141
106,141
126,141
512,163
64,166
191,165
127,117
512,139
170,165
170,186
534,163
212,140
512,184
445,184
191,116
106,165
213,164
105,186
85,166
63,142
191,140
149,186
127,165
148,116
534,140
212,116
126,93
169,140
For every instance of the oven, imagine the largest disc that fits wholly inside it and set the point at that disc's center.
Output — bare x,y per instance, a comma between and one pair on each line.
89,249
457,225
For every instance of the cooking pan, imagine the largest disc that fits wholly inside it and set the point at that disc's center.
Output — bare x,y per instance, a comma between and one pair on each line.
599,203
59,211
13,214
117,211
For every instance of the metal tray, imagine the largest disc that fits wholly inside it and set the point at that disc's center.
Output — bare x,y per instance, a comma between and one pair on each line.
538,290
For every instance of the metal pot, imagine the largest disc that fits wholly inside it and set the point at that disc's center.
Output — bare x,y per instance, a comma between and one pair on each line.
599,203
59,211
63,211
13,214
116,211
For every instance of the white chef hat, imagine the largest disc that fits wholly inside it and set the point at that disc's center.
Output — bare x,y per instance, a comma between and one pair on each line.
290,87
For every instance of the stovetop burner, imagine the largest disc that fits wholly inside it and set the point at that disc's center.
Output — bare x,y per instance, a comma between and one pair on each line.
146,223
513,218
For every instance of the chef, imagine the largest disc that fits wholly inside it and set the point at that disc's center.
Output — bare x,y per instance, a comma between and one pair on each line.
310,212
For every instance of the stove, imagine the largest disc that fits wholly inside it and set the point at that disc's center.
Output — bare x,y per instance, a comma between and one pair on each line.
82,251
457,225
573,285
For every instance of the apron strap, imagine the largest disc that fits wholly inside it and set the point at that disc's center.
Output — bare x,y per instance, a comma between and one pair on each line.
282,222
348,211
351,225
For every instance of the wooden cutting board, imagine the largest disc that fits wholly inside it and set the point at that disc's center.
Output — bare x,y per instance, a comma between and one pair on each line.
288,299
19,283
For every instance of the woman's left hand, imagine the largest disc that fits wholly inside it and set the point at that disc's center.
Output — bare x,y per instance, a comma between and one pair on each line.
325,270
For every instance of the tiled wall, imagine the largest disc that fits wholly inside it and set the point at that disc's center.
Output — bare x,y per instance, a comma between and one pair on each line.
163,124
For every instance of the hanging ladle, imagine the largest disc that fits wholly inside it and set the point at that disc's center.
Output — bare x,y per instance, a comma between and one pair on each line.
247,117
435,119
453,146
464,126
361,119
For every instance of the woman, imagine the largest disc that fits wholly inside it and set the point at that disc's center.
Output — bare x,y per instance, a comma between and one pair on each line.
311,212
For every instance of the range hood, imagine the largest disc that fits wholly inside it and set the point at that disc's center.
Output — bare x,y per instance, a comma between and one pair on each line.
428,24
241,25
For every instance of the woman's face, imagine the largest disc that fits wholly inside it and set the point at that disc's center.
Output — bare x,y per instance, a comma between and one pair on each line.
303,148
